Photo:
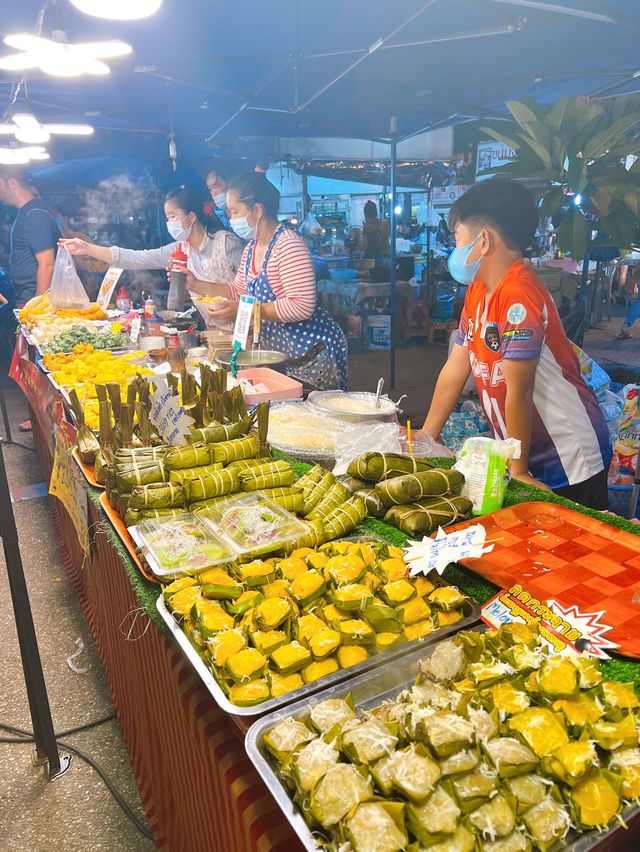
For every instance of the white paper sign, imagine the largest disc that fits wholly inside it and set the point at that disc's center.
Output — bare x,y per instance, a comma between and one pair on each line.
436,553
167,416
243,320
111,278
136,324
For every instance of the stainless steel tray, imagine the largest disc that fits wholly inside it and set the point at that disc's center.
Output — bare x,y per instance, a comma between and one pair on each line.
471,613
369,691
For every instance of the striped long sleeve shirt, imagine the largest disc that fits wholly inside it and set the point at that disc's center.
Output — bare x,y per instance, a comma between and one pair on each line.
291,277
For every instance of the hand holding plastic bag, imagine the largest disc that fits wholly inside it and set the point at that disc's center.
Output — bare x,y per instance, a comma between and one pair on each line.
66,288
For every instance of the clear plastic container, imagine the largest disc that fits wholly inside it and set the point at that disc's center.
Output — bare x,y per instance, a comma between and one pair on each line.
180,545
253,525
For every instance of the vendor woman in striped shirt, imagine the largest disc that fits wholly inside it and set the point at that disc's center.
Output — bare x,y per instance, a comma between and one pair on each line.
276,268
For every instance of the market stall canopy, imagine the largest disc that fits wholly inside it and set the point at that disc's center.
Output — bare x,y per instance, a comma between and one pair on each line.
217,72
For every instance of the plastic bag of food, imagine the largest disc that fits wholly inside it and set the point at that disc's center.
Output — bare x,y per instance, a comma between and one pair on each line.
627,439
66,288
485,465
357,438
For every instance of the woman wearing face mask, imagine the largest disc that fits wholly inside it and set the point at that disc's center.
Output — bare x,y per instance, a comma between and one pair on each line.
277,269
213,253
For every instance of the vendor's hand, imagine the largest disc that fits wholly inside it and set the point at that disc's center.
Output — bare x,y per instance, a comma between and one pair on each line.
3,301
75,246
191,282
527,479
227,312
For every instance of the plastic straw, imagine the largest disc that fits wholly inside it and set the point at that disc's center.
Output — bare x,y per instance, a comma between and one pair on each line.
409,439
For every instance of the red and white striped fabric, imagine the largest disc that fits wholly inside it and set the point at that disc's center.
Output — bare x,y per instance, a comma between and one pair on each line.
291,277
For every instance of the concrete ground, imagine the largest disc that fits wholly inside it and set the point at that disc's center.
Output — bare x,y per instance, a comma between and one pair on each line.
76,813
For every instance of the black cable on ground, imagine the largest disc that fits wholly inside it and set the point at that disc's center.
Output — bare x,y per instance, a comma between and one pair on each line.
23,737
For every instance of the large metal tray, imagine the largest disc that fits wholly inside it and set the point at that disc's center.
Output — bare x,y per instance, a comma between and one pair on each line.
471,612
369,691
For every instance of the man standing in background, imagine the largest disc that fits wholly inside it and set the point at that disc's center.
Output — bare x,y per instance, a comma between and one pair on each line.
33,240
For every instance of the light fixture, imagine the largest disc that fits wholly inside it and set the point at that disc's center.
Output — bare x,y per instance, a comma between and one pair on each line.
577,200
26,128
61,58
118,10
22,156
398,209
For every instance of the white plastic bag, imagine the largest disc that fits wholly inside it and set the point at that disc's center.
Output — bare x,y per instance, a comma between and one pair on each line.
358,438
66,288
310,227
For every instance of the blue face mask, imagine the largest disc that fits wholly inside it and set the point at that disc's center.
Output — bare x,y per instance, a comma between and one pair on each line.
242,228
220,200
460,270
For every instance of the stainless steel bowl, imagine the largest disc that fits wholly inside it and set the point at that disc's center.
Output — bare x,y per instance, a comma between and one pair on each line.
253,358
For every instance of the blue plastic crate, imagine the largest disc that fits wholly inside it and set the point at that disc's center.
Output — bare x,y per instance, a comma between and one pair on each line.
619,497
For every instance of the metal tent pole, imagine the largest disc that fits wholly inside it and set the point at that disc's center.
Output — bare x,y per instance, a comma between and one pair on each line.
392,259
46,747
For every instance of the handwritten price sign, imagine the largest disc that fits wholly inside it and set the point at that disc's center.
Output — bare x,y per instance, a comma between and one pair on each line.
168,417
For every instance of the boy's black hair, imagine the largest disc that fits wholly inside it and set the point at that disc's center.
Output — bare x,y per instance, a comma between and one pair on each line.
502,204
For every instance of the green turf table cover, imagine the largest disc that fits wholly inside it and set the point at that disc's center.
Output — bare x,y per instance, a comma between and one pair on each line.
474,586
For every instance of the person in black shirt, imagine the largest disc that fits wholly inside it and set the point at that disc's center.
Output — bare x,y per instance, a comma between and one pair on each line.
33,239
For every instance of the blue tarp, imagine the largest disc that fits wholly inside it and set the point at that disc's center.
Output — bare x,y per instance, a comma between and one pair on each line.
227,70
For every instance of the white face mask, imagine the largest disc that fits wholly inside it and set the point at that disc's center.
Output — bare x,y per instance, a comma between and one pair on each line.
220,200
177,231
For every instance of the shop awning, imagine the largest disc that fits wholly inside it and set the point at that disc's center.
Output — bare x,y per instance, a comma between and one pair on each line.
217,73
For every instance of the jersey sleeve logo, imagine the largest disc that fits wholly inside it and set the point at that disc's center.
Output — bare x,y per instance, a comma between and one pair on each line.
516,314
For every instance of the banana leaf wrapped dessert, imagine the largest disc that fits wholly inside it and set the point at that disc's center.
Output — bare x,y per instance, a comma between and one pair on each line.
236,450
416,486
88,445
315,483
314,537
193,472
218,483
290,498
247,464
352,483
372,500
276,474
130,474
337,793
218,432
205,505
376,825
414,519
375,467
336,495
139,454
135,516
158,495
191,455
345,518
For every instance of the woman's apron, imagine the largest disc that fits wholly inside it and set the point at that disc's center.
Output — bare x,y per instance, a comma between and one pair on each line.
328,369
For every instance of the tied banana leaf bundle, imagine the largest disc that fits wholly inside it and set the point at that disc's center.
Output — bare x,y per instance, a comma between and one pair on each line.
336,495
247,464
193,472
203,506
139,454
345,518
126,425
262,429
276,474
104,456
191,455
416,486
135,516
316,484
290,499
374,467
314,537
158,495
236,450
217,432
373,502
415,519
353,483
219,483
88,445
132,473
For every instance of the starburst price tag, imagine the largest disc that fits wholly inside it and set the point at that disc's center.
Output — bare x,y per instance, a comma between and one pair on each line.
436,553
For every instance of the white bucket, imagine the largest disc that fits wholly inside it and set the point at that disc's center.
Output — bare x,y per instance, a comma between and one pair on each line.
379,331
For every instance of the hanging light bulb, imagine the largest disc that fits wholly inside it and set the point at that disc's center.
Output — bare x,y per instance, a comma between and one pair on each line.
118,10
61,58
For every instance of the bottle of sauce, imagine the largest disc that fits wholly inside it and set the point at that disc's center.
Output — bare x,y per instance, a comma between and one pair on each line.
149,307
177,280
123,302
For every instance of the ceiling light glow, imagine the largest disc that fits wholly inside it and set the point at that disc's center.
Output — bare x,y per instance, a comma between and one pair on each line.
61,59
118,10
